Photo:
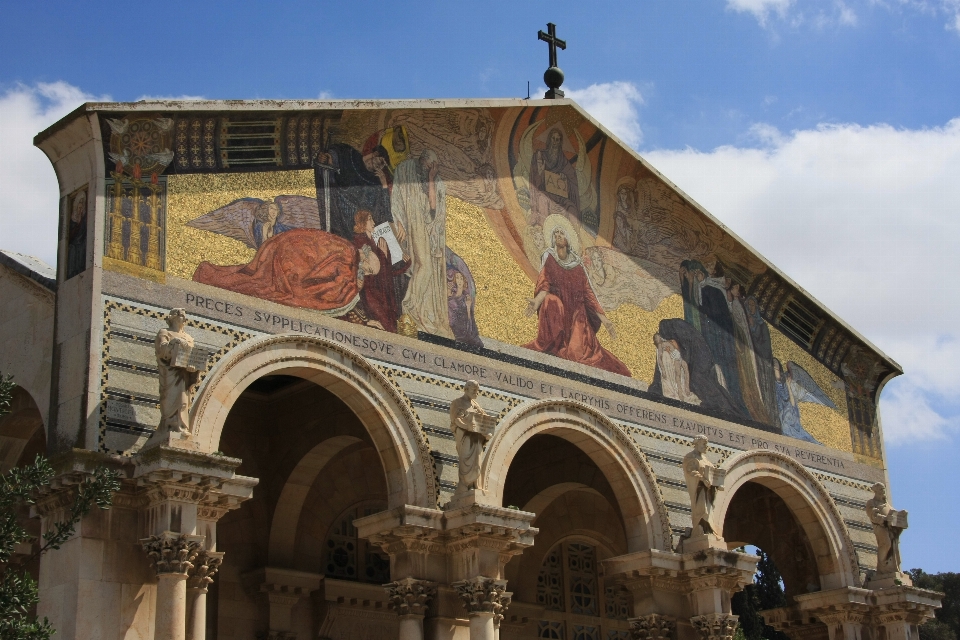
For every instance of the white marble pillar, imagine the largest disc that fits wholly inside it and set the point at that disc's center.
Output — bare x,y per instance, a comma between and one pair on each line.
173,555
486,600
201,577
410,598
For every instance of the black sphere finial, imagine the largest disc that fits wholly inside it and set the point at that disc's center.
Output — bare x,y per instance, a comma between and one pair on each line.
553,76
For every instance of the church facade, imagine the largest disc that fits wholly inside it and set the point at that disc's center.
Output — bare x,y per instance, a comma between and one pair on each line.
432,369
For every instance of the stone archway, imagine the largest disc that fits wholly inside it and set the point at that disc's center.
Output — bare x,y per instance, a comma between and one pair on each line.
22,432
808,502
389,420
615,454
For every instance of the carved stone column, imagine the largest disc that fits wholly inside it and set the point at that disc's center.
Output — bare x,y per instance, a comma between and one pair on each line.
409,598
715,626
200,578
505,600
653,627
844,624
173,556
486,600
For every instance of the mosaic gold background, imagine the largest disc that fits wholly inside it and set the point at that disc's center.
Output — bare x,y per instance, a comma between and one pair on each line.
829,426
191,196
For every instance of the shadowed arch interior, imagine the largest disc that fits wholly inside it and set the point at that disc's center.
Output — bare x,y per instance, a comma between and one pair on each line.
627,476
314,458
22,435
759,517
384,412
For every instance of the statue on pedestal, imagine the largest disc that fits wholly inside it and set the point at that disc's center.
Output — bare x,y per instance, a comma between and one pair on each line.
703,479
888,524
472,428
178,372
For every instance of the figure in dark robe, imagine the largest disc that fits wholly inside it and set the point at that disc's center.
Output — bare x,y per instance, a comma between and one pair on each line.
763,349
568,310
703,380
77,236
378,295
692,274
746,358
355,182
553,182
716,325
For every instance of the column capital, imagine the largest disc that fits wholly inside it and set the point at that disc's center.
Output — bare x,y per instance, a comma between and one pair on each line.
204,568
410,597
653,626
435,543
482,595
715,626
173,552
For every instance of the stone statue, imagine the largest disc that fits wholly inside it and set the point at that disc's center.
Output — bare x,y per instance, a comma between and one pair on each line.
471,427
703,479
888,524
178,372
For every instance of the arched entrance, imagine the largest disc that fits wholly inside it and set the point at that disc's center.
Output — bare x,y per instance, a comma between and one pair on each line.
632,481
22,434
774,503
383,412
330,440
595,498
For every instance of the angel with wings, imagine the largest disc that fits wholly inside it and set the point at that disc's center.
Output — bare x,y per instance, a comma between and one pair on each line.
795,385
548,181
253,221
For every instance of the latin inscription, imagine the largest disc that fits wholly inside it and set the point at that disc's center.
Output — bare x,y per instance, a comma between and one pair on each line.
519,382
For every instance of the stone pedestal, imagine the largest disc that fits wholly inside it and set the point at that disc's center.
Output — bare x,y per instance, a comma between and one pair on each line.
702,542
853,613
668,587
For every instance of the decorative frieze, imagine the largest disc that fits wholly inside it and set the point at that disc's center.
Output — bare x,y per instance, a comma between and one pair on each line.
715,626
410,597
173,553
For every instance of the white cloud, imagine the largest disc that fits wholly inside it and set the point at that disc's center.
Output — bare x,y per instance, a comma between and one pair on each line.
761,9
615,105
868,220
28,218
908,417
821,14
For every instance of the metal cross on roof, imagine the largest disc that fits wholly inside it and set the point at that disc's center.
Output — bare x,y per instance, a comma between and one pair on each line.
553,76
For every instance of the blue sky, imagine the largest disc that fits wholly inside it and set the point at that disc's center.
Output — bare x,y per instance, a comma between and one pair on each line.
826,133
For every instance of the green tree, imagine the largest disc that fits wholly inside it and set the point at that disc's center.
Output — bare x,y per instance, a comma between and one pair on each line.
18,489
766,592
946,624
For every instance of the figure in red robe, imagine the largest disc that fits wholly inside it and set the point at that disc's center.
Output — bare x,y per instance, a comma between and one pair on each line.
569,313
379,293
306,268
